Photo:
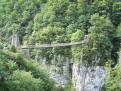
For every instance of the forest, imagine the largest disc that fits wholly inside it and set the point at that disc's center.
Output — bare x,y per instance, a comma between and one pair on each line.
60,21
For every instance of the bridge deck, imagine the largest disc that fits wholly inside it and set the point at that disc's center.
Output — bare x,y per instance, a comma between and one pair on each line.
52,45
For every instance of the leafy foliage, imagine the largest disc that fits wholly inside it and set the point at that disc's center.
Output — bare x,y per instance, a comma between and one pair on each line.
57,21
18,74
76,49
114,79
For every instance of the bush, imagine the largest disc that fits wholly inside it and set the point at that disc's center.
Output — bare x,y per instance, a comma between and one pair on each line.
19,74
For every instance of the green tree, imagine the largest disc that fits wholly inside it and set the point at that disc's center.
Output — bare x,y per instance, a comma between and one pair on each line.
116,16
18,12
101,7
76,49
24,81
114,79
16,73
99,46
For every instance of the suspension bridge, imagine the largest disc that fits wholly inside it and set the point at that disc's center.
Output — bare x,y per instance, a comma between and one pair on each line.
15,42
52,45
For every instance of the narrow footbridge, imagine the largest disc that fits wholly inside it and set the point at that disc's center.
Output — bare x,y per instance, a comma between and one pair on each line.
52,45
14,39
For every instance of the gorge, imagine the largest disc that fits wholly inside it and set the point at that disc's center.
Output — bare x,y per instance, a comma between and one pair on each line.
60,45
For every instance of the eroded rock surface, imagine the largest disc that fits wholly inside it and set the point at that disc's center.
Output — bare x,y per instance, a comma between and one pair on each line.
88,79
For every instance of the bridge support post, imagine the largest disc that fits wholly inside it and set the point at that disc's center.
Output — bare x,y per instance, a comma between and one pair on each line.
26,53
15,40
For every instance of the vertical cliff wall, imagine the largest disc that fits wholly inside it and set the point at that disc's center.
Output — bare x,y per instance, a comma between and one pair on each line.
88,79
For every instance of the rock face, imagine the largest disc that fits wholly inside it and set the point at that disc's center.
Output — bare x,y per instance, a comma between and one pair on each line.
60,80
84,79
119,60
58,69
88,79
26,53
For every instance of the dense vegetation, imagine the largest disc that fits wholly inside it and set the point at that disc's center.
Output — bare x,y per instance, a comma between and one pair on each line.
52,21
19,74
114,78
59,21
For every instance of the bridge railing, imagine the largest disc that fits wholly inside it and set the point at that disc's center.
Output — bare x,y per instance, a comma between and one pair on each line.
53,45
14,40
